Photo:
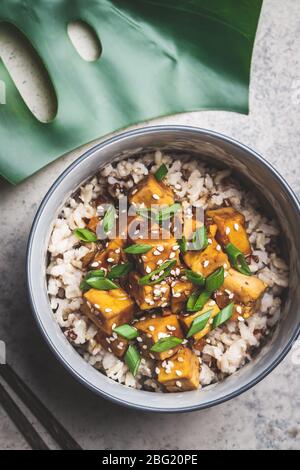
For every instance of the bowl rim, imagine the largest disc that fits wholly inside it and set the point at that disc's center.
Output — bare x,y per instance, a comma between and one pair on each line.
30,290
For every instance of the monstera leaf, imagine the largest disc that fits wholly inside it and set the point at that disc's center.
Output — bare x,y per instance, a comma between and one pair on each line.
158,58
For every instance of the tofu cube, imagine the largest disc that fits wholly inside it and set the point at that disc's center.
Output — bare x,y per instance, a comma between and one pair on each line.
108,307
152,330
246,289
111,255
187,320
181,373
205,262
149,297
162,250
180,292
114,344
151,192
231,228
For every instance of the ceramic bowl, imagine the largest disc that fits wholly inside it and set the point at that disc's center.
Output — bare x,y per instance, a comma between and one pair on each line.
256,173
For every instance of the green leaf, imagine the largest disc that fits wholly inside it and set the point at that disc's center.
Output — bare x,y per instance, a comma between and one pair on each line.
196,302
191,301
126,331
224,315
138,249
85,235
132,359
199,323
164,269
161,172
109,219
202,49
195,278
120,270
164,344
237,259
101,283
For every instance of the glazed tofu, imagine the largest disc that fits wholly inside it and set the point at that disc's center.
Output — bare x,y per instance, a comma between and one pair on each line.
114,344
153,329
181,373
93,222
245,289
148,297
208,260
107,308
231,228
180,292
224,297
111,255
151,192
187,320
162,250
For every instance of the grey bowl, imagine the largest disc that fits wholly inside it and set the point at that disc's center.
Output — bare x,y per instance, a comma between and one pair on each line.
275,196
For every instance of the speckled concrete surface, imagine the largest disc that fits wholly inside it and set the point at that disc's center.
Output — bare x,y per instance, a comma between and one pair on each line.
265,417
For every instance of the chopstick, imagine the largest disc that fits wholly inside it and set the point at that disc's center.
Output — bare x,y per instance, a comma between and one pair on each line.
20,420
37,408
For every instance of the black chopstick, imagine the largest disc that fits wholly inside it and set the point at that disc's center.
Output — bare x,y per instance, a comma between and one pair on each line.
21,421
34,404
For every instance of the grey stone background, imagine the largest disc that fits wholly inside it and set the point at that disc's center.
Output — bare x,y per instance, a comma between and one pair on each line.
265,417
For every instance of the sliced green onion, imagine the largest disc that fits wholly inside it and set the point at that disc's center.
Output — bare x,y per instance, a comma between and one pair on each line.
201,301
199,240
101,283
95,273
146,213
120,270
224,315
164,344
215,280
182,245
191,301
126,331
167,212
195,278
161,172
199,323
138,249
85,235
237,259
109,219
132,359
165,269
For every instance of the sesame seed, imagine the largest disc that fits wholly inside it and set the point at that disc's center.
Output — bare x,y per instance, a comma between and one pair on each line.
95,264
178,384
208,341
151,328
211,303
231,296
164,304
206,263
97,306
156,253
180,359
148,269
110,260
172,255
225,265
108,309
159,262
139,339
177,294
134,192
119,346
160,248
218,247
236,226
117,250
239,309
175,247
178,372
155,196
227,230
114,326
152,356
241,318
209,241
145,346
157,370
